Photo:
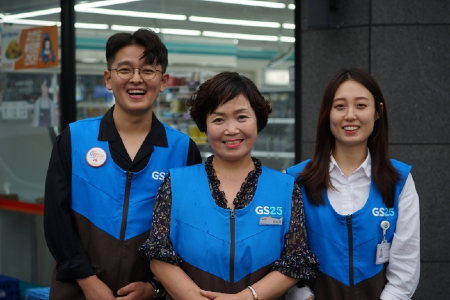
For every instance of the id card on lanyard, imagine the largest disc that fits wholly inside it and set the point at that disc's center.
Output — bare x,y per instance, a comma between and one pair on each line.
384,248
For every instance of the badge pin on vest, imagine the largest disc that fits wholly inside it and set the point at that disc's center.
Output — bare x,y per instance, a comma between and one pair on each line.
96,157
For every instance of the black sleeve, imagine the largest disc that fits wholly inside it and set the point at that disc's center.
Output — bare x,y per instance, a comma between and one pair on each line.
194,156
60,234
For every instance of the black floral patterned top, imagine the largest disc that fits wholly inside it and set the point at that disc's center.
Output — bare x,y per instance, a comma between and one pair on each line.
296,261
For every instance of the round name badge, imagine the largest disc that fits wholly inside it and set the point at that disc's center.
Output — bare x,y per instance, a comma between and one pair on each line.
96,157
385,225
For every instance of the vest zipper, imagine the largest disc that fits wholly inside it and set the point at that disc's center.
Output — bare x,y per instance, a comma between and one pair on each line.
350,251
232,229
123,229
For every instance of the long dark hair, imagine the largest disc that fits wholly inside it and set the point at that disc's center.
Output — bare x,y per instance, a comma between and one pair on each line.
316,178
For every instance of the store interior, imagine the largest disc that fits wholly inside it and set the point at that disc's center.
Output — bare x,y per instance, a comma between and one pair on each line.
203,37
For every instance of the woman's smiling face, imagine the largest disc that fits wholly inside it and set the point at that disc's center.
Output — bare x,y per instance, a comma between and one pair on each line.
352,115
232,130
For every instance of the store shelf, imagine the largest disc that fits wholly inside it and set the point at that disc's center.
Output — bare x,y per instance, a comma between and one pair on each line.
23,207
94,104
272,154
181,89
277,90
287,121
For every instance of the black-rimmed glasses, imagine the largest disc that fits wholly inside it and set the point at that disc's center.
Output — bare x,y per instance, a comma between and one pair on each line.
146,72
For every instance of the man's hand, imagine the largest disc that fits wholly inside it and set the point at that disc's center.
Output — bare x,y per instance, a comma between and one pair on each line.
94,289
136,291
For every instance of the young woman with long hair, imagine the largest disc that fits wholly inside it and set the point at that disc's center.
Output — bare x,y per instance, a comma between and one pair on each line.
362,208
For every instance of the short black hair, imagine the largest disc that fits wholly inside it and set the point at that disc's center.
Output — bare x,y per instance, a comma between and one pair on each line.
222,88
155,50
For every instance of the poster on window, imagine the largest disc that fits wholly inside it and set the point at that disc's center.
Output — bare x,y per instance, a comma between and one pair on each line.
31,48
14,110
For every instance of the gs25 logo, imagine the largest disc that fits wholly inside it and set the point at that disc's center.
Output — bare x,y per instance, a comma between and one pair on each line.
381,212
269,210
158,175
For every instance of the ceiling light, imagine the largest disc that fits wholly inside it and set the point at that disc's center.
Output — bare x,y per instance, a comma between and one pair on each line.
51,23
129,13
287,39
291,6
288,26
234,22
32,14
181,32
31,22
252,3
91,26
240,36
57,10
131,28
103,3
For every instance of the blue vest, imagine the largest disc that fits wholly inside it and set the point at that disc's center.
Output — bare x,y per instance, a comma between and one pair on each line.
99,193
202,232
328,231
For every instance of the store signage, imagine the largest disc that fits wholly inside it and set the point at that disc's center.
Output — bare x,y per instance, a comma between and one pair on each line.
13,110
31,48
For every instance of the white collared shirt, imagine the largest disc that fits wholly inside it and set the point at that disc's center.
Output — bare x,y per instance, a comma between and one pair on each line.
351,195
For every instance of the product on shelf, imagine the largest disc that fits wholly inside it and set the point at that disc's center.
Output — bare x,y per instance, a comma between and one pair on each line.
196,135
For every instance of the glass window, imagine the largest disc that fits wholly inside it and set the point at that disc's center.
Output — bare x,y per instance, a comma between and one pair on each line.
29,115
29,97
203,37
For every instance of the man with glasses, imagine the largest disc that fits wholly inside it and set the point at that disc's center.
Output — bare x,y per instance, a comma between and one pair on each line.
104,174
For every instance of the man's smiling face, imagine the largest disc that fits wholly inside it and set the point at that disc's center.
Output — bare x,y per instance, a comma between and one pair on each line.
134,95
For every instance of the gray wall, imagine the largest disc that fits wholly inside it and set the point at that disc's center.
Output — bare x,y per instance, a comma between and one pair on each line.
405,44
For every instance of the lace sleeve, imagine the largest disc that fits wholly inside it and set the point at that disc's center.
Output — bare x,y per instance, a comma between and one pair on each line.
297,261
158,245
